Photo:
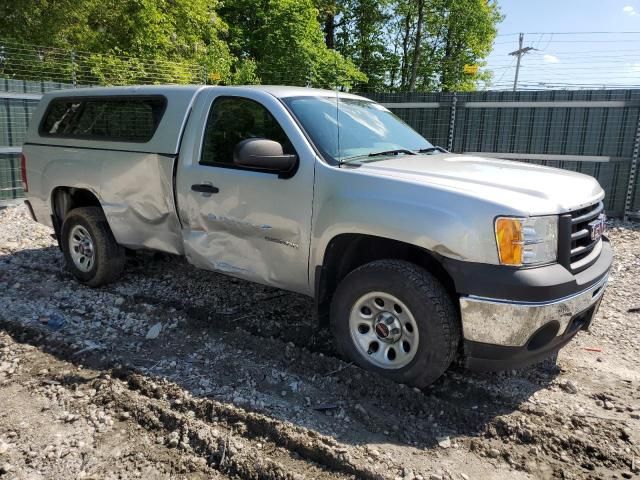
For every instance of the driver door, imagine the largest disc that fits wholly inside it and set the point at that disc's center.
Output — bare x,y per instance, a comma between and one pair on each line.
236,220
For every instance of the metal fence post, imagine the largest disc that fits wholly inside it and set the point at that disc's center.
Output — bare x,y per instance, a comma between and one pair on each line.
632,173
452,122
74,79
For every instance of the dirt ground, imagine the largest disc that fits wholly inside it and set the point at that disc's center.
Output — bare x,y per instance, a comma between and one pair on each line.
179,373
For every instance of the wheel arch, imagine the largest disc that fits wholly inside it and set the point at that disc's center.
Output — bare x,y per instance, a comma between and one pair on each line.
64,199
346,252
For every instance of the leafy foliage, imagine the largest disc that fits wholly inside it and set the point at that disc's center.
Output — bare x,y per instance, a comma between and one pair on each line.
285,40
123,41
408,45
372,45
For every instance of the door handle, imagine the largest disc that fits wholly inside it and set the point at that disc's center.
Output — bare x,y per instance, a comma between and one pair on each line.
204,188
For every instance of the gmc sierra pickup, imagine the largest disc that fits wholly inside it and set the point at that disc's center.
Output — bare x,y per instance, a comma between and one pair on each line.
414,255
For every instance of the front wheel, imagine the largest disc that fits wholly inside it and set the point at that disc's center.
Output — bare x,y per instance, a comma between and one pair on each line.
91,252
395,318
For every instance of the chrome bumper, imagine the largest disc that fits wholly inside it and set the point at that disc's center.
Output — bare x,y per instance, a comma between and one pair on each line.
508,323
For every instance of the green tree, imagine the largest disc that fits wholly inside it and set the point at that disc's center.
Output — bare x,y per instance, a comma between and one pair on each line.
439,37
410,45
328,11
179,39
42,22
285,39
468,35
361,37
379,45
122,41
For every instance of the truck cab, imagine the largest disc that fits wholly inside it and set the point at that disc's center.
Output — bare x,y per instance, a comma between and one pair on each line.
413,255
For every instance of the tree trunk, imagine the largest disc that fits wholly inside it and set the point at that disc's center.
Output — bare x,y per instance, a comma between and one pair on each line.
330,30
444,77
394,66
417,47
404,74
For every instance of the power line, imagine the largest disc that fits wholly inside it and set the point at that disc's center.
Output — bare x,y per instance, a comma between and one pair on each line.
611,61
564,63
593,41
571,33
566,57
570,66
506,68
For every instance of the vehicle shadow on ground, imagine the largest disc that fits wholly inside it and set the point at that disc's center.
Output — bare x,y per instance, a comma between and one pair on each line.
254,346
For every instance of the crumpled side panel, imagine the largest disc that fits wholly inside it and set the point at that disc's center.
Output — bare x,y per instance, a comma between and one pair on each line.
138,200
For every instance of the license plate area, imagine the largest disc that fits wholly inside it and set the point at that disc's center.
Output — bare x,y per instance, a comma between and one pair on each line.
582,321
597,227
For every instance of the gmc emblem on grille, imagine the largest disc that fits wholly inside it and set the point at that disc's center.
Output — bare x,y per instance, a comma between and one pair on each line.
597,227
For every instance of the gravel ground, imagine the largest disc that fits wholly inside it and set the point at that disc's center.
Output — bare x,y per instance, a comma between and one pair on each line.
180,373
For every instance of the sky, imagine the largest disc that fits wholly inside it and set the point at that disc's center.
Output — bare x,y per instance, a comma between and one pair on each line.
563,57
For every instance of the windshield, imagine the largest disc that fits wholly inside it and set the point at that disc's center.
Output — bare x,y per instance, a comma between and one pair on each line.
354,130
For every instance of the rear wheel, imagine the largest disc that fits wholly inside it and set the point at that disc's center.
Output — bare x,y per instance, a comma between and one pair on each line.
90,250
395,318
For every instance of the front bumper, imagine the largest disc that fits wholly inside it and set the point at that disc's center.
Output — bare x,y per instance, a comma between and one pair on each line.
501,335
514,323
502,332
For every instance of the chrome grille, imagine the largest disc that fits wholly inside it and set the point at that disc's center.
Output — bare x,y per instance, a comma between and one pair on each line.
583,250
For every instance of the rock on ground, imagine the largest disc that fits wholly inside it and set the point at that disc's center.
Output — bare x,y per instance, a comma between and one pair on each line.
240,383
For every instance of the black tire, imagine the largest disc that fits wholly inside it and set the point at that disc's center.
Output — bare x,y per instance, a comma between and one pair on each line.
429,303
109,256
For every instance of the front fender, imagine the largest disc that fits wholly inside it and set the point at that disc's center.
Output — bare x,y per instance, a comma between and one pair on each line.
442,221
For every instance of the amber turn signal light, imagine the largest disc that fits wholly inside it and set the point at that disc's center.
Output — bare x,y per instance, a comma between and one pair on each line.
510,240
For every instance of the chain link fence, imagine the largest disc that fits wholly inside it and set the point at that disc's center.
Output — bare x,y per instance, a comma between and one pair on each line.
596,132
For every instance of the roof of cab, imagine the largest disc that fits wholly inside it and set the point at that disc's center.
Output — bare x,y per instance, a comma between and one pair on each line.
279,91
283,91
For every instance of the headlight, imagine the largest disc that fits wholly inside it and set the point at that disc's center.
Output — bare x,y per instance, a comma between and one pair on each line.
527,241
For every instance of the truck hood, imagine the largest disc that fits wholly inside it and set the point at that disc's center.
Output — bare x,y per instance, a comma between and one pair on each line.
529,188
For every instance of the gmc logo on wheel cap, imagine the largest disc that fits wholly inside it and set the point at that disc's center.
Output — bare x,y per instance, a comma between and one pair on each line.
382,330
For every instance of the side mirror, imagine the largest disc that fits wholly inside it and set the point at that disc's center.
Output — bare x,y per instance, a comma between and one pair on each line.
263,154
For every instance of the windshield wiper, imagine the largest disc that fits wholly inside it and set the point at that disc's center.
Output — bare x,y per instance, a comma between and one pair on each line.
432,150
392,152
377,154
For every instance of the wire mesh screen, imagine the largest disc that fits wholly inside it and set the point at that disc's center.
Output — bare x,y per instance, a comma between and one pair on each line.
589,131
592,132
10,186
36,62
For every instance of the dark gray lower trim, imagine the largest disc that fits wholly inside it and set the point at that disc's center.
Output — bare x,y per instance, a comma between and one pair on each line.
538,284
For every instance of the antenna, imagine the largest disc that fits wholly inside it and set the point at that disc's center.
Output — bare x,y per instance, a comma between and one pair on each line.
337,112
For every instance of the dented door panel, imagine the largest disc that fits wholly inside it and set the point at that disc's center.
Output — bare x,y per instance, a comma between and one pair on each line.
257,226
234,238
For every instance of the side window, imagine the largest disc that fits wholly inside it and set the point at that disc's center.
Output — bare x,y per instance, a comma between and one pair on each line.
132,119
233,119
58,120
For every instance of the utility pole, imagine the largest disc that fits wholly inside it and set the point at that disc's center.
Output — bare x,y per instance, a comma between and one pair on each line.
519,53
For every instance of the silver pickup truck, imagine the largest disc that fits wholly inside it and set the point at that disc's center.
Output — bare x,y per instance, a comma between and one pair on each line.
413,255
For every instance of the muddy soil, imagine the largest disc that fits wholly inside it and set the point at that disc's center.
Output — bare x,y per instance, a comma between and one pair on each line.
180,373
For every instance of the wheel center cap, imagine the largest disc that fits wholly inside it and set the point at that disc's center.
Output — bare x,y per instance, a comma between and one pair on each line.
387,327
